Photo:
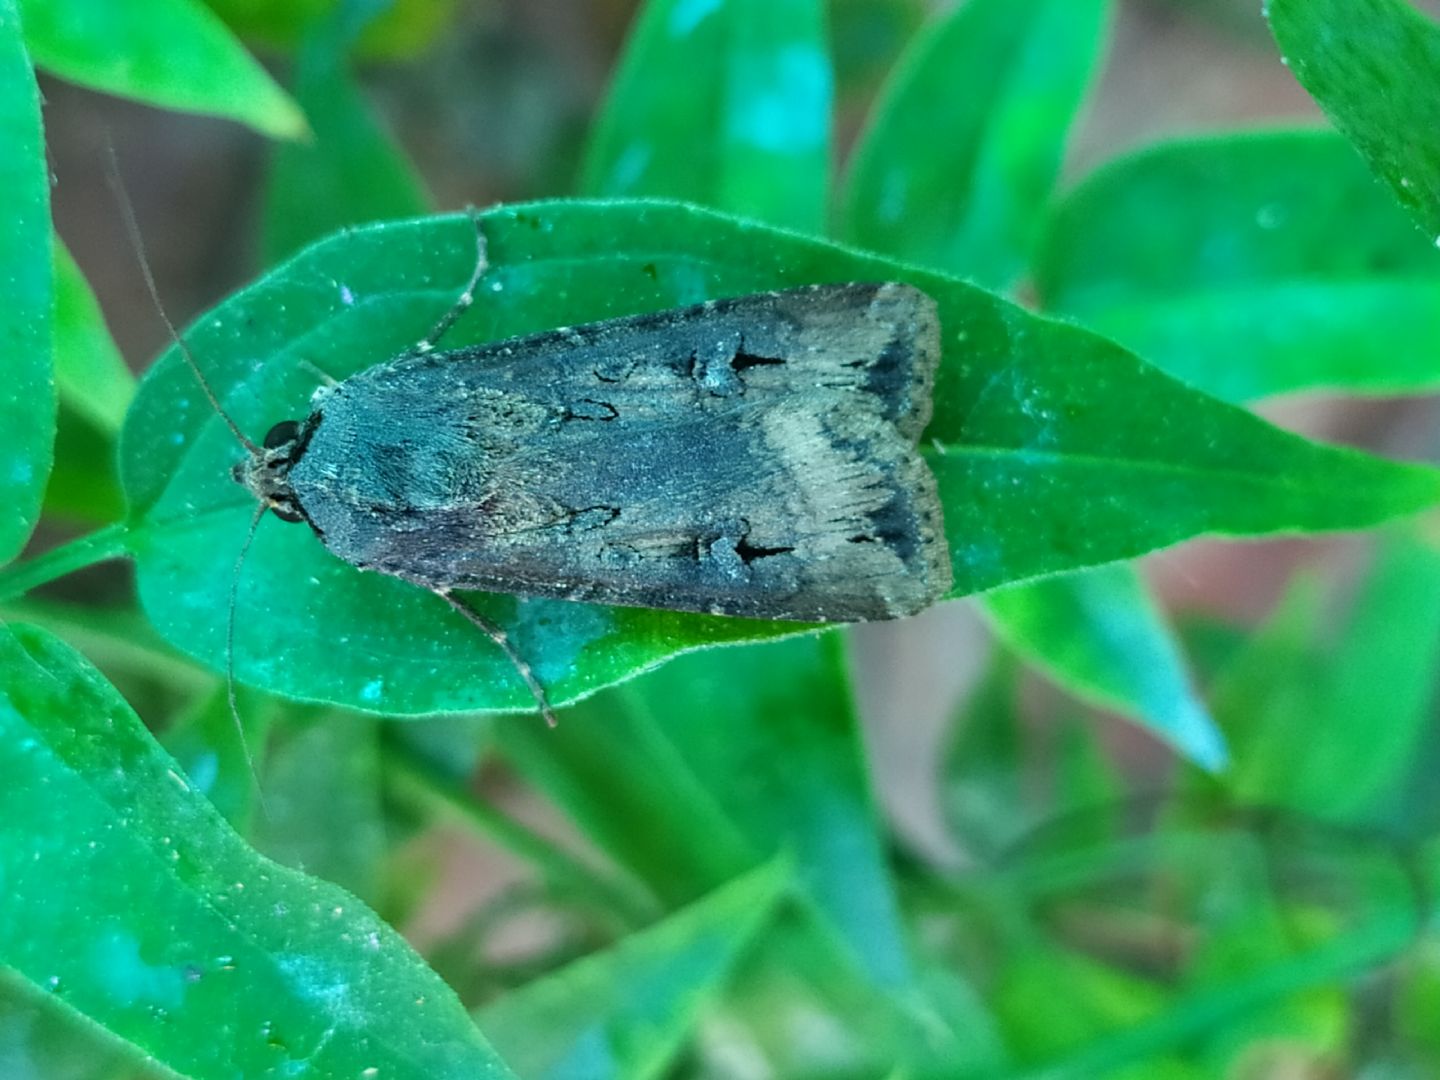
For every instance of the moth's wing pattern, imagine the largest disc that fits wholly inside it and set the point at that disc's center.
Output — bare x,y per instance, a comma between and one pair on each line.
752,456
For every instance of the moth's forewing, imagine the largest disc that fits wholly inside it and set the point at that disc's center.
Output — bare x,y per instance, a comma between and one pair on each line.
752,456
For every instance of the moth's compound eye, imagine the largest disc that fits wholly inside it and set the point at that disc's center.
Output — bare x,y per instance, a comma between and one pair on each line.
287,513
286,431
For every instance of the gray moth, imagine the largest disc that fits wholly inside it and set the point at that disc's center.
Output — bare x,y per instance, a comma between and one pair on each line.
753,456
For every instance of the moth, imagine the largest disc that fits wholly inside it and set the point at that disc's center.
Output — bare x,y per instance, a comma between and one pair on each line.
753,456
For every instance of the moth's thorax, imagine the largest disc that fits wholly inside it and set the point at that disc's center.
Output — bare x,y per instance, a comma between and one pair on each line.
385,458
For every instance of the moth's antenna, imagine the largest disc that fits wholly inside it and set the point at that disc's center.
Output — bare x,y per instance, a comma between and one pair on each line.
137,242
498,636
230,657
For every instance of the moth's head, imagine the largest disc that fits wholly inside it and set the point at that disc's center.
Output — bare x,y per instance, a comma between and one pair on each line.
267,473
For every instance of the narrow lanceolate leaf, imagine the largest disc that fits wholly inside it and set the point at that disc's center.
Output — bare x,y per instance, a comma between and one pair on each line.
725,103
1373,66
1054,449
132,903
957,166
172,53
1290,267
90,373
1101,635
351,171
27,380
629,1011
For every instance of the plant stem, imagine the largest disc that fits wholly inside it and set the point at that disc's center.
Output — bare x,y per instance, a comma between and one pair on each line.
110,542
118,639
413,777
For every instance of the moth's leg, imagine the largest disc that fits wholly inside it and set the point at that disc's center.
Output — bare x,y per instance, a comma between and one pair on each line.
495,634
320,373
466,298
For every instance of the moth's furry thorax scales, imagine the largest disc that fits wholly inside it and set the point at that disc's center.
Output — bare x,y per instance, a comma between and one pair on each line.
753,456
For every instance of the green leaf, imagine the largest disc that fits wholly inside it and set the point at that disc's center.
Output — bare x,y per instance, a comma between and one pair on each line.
721,102
221,758
607,765
84,483
41,1040
351,172
799,1006
1365,743
1088,789
1273,911
956,171
1373,65
866,38
402,31
1053,448
628,1011
755,749
1100,635
997,766
1313,1024
957,166
121,642
27,387
317,809
1097,998
91,375
771,732
1264,697
1340,732
1252,290
1417,999
321,811
172,53
130,901
984,792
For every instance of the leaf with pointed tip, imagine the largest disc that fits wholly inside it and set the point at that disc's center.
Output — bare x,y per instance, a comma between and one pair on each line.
1253,290
1373,66
350,172
27,386
1100,634
629,1010
91,375
1054,449
172,53
721,102
132,902
962,151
